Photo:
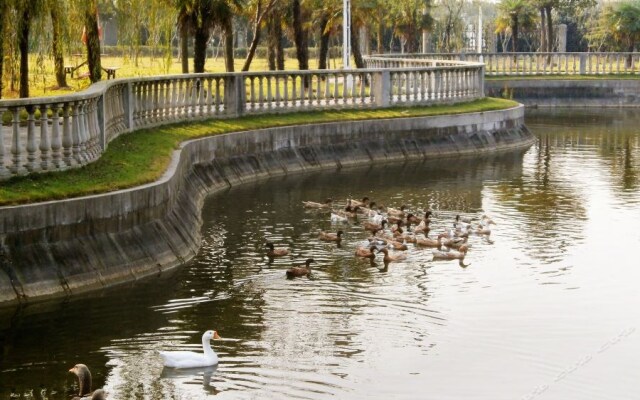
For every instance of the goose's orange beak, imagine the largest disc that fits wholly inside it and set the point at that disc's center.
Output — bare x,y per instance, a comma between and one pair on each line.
215,335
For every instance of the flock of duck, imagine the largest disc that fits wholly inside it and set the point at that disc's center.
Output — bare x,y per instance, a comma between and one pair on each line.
391,231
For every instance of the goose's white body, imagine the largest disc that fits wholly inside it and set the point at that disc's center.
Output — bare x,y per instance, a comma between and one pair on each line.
338,218
190,359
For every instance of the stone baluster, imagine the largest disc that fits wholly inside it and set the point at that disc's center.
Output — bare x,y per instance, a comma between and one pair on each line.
209,97
4,172
82,131
200,97
278,80
56,144
261,99
31,139
269,103
91,118
75,133
219,84
155,101
45,145
17,168
67,136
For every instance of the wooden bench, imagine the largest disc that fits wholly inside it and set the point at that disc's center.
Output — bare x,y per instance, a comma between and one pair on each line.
71,69
111,72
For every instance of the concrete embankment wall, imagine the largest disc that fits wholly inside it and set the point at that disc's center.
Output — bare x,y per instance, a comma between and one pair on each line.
62,247
567,93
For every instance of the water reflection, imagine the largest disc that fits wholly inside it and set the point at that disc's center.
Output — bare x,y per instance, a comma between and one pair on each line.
357,330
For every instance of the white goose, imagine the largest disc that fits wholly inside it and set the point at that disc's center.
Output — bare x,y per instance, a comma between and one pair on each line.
190,359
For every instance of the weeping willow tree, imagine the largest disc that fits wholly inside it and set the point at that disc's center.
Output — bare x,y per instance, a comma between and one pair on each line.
58,11
4,11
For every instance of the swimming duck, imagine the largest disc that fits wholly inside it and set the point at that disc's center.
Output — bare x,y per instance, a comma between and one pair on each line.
84,383
338,218
485,220
300,271
428,242
330,237
276,252
363,203
451,255
394,220
454,243
190,359
423,227
366,253
313,204
392,257
397,245
482,230
373,227
397,213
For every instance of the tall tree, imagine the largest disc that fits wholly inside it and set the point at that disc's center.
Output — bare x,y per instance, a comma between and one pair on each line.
410,21
300,34
26,12
92,40
57,11
4,11
275,46
262,10
622,21
515,15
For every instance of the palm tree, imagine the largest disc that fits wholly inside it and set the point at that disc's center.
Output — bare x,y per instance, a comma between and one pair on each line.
300,34
410,21
622,21
514,15
200,17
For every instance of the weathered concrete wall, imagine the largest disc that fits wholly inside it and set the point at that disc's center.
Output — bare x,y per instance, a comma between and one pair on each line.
568,93
63,247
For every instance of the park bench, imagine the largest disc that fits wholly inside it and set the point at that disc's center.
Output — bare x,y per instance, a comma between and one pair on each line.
111,72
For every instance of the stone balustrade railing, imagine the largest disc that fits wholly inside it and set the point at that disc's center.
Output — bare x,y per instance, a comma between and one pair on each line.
57,133
504,64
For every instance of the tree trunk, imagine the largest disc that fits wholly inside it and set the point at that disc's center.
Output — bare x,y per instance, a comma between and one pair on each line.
200,39
279,47
272,40
256,36
23,46
514,34
550,40
379,38
184,49
56,46
355,47
324,42
300,37
228,46
2,39
543,31
93,40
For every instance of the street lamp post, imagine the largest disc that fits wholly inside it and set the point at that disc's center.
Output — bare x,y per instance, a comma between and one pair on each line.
346,40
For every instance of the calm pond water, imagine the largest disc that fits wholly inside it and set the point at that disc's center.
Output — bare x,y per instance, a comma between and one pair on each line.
546,309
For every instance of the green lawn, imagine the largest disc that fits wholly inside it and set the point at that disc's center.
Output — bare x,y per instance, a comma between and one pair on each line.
143,156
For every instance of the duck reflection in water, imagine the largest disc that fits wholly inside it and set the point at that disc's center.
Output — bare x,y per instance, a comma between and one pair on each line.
193,376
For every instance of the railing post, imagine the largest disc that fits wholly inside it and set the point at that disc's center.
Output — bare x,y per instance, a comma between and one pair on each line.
128,103
381,88
583,64
234,95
